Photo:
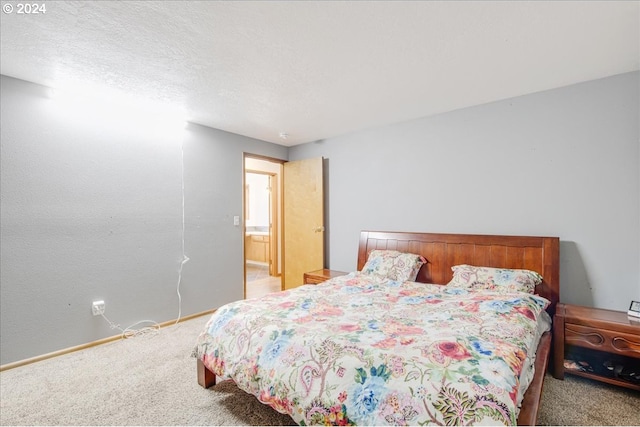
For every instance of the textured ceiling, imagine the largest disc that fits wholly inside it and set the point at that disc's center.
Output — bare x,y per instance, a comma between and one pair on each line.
320,69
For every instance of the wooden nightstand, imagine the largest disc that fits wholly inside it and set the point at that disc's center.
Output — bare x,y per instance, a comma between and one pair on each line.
319,276
599,337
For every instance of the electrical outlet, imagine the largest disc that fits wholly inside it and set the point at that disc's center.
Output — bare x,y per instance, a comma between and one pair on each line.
97,308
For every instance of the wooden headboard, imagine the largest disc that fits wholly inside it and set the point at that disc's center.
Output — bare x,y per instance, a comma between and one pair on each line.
442,251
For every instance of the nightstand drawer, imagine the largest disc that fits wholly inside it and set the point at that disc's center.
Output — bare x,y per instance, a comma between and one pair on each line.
602,339
319,276
313,280
606,340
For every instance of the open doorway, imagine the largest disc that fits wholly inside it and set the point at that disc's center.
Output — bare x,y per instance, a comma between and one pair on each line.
262,225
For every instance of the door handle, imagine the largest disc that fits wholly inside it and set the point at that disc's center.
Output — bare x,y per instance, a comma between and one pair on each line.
318,229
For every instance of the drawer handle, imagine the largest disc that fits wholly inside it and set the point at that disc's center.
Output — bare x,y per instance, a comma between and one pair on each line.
622,344
592,338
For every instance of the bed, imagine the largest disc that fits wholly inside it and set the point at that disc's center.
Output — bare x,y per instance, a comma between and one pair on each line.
368,349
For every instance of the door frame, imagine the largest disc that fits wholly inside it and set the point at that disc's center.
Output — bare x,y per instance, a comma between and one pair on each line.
276,228
273,217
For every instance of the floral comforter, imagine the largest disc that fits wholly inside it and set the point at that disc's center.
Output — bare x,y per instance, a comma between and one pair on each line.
355,351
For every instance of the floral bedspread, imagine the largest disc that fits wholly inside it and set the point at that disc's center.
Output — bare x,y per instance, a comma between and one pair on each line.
356,350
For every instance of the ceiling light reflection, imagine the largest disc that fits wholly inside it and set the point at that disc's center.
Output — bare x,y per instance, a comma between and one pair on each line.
108,106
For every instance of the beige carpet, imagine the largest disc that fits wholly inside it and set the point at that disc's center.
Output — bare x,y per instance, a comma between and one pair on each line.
151,380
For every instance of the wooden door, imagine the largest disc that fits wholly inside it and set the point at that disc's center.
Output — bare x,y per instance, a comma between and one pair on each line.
303,219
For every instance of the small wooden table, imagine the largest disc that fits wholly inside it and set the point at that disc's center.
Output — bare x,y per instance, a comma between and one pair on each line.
596,335
319,276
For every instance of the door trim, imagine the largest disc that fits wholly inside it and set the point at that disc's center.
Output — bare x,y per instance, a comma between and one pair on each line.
275,232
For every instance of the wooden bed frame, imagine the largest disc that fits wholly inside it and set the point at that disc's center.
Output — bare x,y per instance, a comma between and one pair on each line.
442,251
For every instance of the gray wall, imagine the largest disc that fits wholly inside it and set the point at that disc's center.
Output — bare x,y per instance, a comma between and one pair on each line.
93,210
563,163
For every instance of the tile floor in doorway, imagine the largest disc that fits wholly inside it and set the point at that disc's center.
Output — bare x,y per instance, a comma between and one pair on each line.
259,282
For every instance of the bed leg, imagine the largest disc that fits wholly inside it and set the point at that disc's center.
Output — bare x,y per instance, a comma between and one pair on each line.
206,378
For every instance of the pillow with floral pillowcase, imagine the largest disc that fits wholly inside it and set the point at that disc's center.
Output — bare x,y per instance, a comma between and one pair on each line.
494,279
393,265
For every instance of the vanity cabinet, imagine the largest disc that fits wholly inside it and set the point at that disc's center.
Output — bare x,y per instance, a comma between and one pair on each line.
257,248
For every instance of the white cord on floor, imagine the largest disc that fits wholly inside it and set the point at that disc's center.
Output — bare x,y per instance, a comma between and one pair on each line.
130,332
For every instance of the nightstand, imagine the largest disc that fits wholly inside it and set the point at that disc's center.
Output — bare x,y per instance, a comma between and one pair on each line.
606,340
319,276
